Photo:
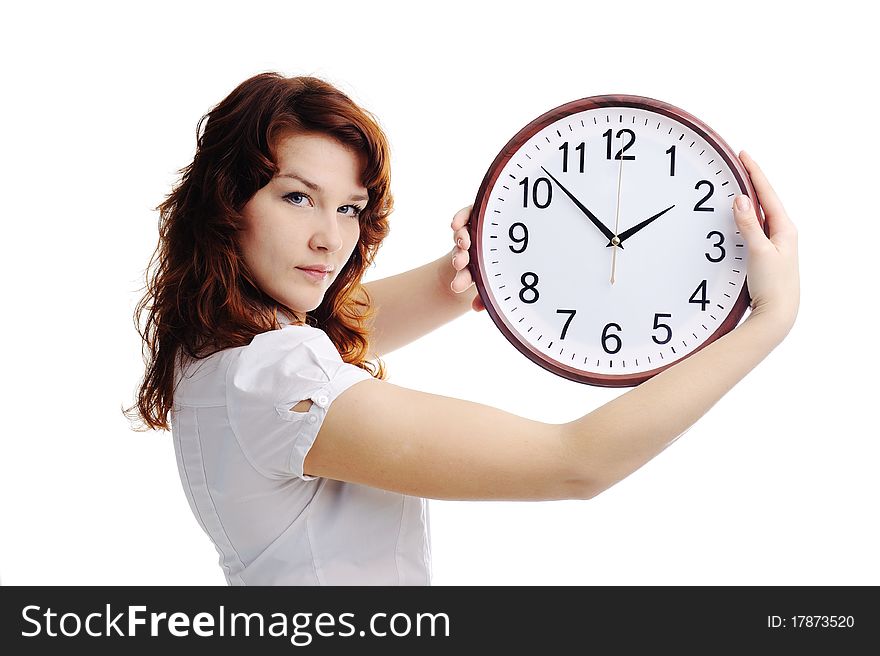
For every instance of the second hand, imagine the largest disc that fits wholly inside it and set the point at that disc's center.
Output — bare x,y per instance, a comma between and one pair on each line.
616,240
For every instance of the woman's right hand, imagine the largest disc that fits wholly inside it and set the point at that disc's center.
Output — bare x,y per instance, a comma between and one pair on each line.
772,272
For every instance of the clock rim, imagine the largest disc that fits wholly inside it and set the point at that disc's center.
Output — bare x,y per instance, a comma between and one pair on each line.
477,217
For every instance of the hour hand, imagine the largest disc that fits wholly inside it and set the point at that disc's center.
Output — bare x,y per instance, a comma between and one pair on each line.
596,222
626,234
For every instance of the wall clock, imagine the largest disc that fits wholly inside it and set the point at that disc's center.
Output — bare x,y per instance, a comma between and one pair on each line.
603,243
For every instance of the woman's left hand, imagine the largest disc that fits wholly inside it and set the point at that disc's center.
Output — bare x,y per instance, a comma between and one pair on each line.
463,280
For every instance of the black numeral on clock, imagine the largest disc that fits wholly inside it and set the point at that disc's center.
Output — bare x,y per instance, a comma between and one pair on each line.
548,194
657,324
671,153
564,148
699,206
620,155
717,245
612,338
702,300
524,240
529,287
570,314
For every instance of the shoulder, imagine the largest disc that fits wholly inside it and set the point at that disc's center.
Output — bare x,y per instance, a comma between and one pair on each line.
288,360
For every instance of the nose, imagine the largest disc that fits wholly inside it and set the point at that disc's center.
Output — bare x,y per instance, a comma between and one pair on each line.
326,235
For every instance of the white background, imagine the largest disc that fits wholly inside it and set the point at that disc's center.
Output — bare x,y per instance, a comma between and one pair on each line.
777,484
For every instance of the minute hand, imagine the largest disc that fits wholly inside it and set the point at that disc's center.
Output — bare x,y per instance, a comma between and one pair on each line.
626,234
605,231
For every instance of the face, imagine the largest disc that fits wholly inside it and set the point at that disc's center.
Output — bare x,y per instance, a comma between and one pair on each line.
302,227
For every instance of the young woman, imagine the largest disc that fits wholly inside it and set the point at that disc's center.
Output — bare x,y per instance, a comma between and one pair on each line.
299,461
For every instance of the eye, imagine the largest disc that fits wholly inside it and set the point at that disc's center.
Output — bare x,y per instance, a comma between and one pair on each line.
297,199
351,210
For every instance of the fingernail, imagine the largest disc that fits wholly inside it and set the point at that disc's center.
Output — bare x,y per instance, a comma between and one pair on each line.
743,204
458,241
453,260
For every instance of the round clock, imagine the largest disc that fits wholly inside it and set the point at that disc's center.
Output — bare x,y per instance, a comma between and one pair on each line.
603,243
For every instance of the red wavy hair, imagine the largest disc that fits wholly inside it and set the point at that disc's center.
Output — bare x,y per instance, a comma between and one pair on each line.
200,297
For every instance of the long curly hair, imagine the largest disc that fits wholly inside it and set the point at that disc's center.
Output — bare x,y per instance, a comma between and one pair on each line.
200,297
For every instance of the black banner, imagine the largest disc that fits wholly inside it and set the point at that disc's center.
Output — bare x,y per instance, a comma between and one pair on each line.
437,619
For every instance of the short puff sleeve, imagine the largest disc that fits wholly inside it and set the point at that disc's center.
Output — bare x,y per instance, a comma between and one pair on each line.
277,370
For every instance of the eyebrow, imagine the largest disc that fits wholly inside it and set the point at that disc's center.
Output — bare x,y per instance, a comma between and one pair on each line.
316,187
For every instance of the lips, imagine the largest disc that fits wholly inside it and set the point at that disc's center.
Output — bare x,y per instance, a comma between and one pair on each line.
317,273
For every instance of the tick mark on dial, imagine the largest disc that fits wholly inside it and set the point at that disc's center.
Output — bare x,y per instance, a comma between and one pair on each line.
681,137
508,298
519,165
725,182
558,133
673,350
704,326
530,329
713,317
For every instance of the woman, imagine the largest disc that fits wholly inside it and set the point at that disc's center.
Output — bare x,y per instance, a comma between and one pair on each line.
300,462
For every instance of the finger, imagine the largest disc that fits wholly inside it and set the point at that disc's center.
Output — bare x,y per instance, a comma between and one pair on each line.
747,222
462,281
461,217
460,259
777,218
462,238
477,304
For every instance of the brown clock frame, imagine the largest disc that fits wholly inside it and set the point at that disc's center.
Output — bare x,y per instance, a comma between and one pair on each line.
477,218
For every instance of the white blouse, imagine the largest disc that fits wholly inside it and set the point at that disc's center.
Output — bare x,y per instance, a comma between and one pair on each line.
240,451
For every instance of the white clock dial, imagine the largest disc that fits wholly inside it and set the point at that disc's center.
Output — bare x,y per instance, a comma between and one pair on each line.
608,241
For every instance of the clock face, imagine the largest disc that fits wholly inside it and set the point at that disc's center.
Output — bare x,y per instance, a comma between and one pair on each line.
603,239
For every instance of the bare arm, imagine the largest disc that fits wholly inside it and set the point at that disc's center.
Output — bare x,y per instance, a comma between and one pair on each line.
412,304
420,444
